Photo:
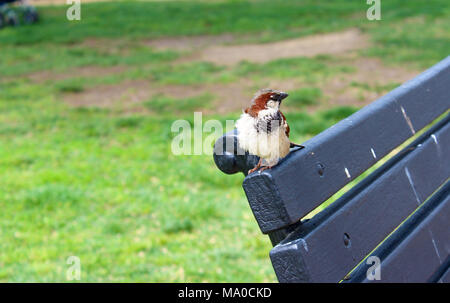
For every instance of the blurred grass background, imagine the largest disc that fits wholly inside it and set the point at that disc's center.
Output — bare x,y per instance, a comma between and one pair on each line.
101,183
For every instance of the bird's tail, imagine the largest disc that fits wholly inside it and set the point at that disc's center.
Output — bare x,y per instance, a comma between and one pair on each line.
296,145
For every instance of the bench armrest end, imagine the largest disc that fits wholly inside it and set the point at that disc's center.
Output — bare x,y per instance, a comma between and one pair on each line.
231,159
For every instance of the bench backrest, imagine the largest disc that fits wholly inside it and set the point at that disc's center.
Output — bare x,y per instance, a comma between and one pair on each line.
410,190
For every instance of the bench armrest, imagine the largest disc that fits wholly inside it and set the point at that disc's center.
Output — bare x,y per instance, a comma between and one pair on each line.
231,159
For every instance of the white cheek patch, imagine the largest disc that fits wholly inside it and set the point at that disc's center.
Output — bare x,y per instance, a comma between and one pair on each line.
272,105
267,112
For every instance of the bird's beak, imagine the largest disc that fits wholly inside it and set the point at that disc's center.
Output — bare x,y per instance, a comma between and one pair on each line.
282,96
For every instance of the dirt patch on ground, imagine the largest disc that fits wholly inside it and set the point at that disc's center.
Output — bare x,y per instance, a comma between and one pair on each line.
236,96
224,50
109,95
108,46
125,93
128,94
229,97
80,72
191,43
331,44
371,80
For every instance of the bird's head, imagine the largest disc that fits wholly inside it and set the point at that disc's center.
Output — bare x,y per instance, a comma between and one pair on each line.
264,99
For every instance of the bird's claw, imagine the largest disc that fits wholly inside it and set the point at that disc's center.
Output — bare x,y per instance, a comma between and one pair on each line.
264,168
252,170
256,167
261,169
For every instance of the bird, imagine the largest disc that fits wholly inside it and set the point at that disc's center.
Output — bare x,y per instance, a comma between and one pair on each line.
263,130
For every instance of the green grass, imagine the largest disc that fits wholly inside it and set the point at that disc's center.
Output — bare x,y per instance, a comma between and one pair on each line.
375,88
19,60
162,104
103,185
304,96
420,42
173,18
107,189
306,69
304,125
26,49
70,88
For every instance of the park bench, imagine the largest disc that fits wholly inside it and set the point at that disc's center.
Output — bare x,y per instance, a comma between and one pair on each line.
393,225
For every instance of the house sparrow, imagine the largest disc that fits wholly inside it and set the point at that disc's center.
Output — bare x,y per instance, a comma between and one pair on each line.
263,130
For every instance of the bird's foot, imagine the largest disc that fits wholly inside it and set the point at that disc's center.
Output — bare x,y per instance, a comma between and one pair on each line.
253,170
256,167
264,168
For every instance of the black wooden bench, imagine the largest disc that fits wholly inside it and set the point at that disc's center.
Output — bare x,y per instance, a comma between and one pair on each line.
399,214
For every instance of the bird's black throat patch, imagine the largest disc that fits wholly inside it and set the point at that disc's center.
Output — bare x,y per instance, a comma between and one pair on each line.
269,123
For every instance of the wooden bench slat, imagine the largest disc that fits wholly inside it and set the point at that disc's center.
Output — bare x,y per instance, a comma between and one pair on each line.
445,278
419,248
366,214
306,178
